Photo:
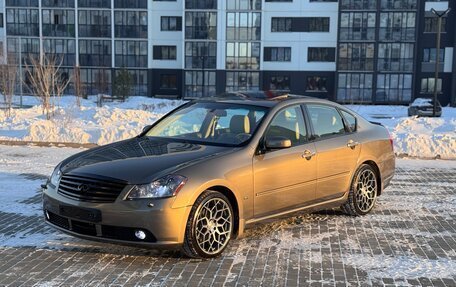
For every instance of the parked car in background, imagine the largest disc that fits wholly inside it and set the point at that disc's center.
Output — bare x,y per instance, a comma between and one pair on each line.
197,177
424,107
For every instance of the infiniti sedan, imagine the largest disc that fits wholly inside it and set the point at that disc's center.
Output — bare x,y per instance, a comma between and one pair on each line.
199,176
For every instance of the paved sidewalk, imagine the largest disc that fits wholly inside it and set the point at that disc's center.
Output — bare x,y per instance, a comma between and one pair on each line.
409,239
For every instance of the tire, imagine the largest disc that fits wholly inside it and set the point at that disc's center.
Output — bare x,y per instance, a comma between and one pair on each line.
363,192
209,227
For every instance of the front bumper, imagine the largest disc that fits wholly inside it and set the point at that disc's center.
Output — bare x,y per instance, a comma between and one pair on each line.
118,222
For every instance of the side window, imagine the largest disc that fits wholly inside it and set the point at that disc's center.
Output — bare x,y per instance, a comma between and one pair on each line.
351,120
326,120
289,123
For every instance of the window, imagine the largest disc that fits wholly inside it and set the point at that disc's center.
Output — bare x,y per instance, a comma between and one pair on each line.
94,23
397,26
356,56
243,5
430,55
94,3
243,26
131,53
354,87
277,54
242,81
58,3
130,4
22,22
1,20
243,56
395,57
399,4
130,24
58,23
357,26
200,54
394,88
288,123
326,121
317,84
300,24
350,119
164,52
321,54
201,25
95,53
199,4
428,85
171,23
22,3
199,84
316,24
281,83
431,24
358,4
168,81
281,24
65,50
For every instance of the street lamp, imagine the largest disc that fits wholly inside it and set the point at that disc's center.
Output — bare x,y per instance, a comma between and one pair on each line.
440,15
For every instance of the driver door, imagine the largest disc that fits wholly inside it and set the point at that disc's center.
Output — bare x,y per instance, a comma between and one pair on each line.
285,178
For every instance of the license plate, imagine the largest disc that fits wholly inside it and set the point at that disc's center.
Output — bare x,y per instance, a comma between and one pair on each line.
86,214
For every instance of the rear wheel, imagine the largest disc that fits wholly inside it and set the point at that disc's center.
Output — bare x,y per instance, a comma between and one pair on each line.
209,227
363,193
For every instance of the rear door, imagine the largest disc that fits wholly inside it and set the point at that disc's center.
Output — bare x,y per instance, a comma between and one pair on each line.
285,178
337,149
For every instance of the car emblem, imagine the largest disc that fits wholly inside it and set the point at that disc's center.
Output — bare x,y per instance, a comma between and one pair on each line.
83,187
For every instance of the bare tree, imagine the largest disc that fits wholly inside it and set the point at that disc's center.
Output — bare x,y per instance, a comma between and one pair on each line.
46,81
8,79
79,89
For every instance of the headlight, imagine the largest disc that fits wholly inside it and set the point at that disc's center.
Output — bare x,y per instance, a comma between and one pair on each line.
55,176
164,187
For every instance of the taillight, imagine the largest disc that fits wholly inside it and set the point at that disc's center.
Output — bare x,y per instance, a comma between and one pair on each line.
391,140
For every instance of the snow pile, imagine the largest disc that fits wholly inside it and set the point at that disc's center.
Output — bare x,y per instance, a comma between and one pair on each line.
89,124
413,137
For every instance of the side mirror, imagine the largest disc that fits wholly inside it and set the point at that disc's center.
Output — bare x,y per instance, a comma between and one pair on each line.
146,128
277,143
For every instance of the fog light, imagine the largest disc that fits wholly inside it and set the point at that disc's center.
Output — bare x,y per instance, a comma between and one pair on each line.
140,234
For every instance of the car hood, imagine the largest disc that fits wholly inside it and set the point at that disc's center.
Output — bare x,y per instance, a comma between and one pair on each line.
139,160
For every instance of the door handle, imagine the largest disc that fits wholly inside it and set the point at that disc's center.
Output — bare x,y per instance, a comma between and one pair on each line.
308,154
352,144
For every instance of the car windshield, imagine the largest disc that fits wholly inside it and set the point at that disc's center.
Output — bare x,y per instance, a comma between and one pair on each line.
211,123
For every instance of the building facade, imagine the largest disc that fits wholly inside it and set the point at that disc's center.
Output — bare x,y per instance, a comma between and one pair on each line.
350,51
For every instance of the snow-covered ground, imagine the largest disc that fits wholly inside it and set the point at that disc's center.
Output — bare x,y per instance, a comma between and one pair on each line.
414,137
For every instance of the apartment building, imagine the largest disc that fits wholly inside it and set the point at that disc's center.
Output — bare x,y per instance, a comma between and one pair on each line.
350,51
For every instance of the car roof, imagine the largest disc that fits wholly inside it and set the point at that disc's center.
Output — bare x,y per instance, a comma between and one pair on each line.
263,99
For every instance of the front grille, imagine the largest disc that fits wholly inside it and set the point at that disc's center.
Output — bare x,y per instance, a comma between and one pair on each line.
90,189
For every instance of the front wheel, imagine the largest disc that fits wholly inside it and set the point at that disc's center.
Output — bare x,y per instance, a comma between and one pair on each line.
363,193
209,227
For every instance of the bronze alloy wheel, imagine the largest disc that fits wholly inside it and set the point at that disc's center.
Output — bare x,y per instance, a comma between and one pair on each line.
363,194
210,226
